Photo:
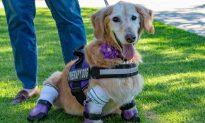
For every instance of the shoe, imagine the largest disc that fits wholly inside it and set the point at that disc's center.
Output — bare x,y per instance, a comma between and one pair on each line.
24,95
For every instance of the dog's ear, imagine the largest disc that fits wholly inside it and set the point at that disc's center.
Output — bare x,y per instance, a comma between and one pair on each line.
100,22
146,18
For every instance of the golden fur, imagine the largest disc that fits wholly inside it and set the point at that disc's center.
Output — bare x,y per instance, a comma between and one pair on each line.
121,90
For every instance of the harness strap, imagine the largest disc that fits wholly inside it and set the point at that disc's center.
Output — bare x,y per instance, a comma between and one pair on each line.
128,106
92,116
77,91
120,71
44,102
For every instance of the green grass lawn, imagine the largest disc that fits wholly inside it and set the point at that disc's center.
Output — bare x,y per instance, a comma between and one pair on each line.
173,69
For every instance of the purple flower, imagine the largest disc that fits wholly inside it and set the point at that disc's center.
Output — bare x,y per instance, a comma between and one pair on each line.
108,51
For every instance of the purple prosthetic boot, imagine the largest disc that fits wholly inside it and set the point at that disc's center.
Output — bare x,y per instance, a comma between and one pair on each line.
130,113
40,111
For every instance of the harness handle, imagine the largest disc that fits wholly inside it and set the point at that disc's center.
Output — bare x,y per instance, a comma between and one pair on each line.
79,51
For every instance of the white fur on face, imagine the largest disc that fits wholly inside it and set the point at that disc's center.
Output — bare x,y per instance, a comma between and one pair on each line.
126,25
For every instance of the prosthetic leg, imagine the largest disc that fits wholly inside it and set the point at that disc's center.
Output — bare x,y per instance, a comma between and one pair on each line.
48,94
130,112
96,100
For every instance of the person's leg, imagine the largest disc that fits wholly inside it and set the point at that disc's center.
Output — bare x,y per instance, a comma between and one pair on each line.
70,25
20,15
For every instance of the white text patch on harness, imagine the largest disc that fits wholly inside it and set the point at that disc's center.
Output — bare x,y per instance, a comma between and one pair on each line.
79,74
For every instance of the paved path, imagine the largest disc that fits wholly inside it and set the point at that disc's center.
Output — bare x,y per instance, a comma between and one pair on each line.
185,14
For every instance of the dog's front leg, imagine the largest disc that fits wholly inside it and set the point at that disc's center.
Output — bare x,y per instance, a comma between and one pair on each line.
48,94
96,100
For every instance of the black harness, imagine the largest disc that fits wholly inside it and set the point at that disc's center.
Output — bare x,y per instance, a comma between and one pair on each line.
81,72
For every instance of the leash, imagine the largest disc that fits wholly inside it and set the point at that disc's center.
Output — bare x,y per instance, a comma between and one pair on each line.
106,3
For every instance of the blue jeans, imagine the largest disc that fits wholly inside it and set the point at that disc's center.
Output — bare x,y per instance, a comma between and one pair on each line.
20,15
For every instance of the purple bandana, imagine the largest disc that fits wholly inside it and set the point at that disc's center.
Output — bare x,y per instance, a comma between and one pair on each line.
109,52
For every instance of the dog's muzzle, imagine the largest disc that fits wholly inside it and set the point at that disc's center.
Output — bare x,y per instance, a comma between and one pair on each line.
130,37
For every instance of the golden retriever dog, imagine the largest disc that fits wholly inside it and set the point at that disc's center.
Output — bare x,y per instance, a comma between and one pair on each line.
116,29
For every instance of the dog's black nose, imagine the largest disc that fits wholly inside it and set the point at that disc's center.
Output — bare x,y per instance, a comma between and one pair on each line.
130,38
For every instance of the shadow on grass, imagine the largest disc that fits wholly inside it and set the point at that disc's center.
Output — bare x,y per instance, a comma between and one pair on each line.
186,101
172,52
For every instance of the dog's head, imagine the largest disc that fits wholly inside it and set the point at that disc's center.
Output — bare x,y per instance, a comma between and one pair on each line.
121,25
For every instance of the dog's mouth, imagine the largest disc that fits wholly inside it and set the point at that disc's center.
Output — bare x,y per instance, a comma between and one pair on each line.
128,50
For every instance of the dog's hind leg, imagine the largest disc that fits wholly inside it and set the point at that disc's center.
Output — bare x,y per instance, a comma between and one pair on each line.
96,100
48,94
130,112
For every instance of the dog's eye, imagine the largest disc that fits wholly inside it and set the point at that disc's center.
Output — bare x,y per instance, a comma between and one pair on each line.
116,19
134,17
